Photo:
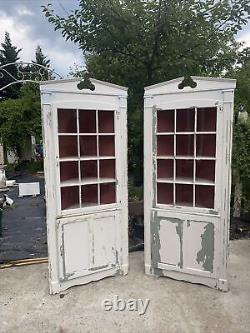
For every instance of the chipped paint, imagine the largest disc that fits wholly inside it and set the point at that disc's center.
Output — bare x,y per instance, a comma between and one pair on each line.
156,240
179,231
206,253
154,161
155,244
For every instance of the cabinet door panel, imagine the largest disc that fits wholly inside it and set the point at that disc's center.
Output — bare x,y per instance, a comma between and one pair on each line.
87,245
198,244
75,240
169,242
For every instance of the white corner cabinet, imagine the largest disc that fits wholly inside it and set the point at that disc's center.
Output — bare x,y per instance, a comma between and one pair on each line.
187,148
85,160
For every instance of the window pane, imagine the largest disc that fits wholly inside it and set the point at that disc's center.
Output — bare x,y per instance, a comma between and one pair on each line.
165,169
185,120
89,194
68,146
184,195
107,168
165,145
88,169
67,121
184,145
87,121
165,194
205,171
206,145
108,193
206,119
70,197
165,121
204,196
88,145
107,145
106,121
185,169
68,171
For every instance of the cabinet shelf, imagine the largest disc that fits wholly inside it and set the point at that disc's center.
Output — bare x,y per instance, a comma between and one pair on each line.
68,159
205,158
85,158
201,181
165,157
87,181
179,157
165,133
67,134
183,180
185,133
94,134
165,180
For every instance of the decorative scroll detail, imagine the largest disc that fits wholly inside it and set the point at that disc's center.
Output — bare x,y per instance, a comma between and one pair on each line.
26,72
86,83
187,82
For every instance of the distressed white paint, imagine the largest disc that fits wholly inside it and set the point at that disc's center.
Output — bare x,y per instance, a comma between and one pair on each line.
88,243
76,246
192,245
171,241
29,189
210,92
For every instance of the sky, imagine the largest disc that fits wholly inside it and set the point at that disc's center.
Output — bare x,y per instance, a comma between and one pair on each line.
28,27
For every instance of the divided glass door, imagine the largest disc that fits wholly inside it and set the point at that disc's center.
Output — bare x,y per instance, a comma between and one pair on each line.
186,157
87,161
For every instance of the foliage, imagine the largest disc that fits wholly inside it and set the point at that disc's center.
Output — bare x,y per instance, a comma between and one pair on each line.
159,37
26,166
241,137
20,118
9,54
137,43
241,159
20,110
241,150
42,60
242,74
135,193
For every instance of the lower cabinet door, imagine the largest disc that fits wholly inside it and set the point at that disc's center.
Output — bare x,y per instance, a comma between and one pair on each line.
88,246
186,246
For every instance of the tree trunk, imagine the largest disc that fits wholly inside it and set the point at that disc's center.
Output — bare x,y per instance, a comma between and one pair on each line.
237,198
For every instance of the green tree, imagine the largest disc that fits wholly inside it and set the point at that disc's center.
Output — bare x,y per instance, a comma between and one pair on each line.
241,138
20,118
137,43
9,54
42,60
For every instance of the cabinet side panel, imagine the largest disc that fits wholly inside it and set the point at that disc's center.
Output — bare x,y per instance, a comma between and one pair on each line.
148,110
